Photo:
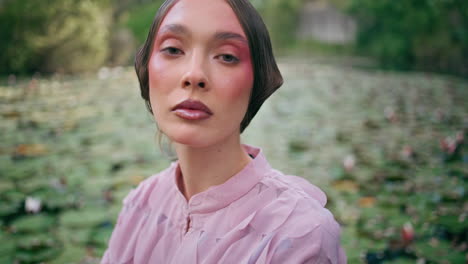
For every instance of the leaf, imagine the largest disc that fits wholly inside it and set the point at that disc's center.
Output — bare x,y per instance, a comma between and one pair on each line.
8,208
348,186
11,114
366,202
101,236
77,236
7,247
33,223
83,218
37,256
30,150
35,241
70,254
435,250
455,224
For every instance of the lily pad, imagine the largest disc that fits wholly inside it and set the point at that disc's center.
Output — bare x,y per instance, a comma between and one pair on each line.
6,186
438,251
33,223
37,256
83,218
100,237
35,241
75,236
70,254
8,208
7,247
455,224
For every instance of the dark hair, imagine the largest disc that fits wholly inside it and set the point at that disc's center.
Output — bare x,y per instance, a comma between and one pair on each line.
267,77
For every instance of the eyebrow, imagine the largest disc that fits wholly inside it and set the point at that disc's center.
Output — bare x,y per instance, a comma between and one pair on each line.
176,29
223,35
230,35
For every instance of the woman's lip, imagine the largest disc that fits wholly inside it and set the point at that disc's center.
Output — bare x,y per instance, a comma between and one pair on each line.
192,110
190,114
193,105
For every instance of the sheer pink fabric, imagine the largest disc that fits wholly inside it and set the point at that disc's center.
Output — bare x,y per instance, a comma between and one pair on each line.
258,216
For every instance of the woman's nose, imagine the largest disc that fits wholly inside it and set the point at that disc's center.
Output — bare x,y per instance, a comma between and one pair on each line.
195,75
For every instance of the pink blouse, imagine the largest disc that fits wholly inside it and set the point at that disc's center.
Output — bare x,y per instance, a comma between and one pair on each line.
258,216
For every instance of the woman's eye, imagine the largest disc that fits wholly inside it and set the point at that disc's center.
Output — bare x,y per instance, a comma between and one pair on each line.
172,51
228,58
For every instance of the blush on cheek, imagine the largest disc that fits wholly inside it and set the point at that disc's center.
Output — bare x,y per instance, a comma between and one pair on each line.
240,83
157,71
155,64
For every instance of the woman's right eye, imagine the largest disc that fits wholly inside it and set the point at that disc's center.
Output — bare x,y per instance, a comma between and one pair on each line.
172,51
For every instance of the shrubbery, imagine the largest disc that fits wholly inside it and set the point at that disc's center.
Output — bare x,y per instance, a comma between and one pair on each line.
281,17
73,36
64,36
427,35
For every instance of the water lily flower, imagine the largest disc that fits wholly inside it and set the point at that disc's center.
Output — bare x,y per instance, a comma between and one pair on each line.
33,205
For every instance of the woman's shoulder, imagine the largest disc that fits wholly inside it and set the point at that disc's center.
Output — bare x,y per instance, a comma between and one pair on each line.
296,207
302,230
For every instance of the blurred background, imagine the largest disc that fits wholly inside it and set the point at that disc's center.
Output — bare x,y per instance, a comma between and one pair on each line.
373,111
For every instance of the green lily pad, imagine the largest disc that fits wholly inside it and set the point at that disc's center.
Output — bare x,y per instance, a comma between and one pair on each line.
100,237
453,223
61,201
6,259
75,236
400,261
24,171
7,247
298,146
8,208
35,241
99,251
37,256
436,250
6,186
83,218
33,184
33,223
70,255
13,196
55,199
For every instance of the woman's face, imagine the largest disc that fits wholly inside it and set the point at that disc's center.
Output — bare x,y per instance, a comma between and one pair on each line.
200,73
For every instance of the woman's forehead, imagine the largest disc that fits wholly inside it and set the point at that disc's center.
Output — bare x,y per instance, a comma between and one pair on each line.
201,17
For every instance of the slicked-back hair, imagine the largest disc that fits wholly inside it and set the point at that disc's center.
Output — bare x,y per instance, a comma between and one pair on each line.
267,77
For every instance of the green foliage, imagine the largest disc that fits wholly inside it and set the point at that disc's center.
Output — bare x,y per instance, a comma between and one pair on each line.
280,16
427,35
65,36
140,19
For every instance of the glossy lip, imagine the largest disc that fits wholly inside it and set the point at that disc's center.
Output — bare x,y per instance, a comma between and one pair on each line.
192,110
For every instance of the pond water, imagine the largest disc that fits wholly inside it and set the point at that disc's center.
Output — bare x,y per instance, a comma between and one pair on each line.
389,149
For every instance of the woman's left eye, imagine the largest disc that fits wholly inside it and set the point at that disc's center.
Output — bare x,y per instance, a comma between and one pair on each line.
228,58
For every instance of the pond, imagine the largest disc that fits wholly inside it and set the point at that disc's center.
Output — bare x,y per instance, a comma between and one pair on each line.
389,149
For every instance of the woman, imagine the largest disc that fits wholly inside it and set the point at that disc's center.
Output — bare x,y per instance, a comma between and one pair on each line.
204,71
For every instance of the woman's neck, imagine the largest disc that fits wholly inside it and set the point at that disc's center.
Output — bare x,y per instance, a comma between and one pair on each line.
202,168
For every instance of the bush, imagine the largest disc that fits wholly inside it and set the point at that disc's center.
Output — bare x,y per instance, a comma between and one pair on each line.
281,18
429,35
140,18
65,36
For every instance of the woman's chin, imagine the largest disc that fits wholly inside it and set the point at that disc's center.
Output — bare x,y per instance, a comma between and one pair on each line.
198,136
196,140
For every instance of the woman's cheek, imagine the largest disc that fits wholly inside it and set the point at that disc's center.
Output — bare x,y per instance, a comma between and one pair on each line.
158,71
240,83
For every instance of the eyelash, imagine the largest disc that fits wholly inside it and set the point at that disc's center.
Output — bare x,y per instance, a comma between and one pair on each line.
226,58
233,59
169,51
